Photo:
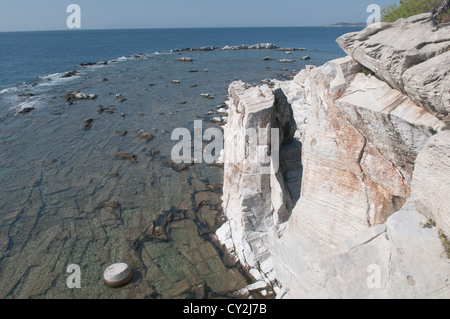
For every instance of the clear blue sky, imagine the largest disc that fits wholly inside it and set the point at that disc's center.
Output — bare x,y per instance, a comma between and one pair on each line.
27,15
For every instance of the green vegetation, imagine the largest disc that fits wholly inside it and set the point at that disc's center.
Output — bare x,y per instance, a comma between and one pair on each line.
443,51
445,242
366,71
429,224
409,8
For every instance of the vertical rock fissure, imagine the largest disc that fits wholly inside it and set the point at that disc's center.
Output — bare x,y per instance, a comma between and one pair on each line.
363,181
363,175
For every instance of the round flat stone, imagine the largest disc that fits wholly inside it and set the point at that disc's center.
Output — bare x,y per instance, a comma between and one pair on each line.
117,275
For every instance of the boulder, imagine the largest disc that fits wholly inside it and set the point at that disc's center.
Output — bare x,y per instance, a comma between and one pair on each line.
78,95
216,120
185,59
247,47
117,275
428,84
401,54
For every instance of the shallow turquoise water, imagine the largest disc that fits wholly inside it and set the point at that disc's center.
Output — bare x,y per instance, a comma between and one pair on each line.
55,177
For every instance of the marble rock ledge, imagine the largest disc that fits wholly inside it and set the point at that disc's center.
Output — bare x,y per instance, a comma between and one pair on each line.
363,162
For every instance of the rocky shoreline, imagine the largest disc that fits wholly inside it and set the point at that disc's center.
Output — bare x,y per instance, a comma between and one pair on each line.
364,165
87,66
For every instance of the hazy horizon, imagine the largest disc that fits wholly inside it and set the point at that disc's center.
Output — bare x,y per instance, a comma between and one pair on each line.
175,28
51,15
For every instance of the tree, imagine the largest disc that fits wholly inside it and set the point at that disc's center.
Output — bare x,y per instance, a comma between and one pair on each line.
407,8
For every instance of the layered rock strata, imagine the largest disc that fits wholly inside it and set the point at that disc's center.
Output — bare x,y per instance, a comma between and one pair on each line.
368,165
256,197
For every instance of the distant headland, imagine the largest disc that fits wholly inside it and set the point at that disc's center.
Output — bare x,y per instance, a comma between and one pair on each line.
347,24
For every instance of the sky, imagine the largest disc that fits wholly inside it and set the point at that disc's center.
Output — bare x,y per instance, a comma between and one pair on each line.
38,15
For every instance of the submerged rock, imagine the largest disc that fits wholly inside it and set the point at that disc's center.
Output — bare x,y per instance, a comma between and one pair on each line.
26,110
159,232
69,74
177,167
113,205
199,291
145,136
87,124
154,152
88,64
125,156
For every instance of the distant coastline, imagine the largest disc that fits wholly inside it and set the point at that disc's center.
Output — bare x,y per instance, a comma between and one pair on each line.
346,24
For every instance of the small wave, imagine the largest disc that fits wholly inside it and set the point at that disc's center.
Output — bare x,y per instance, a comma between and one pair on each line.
50,76
57,78
10,90
30,103
122,59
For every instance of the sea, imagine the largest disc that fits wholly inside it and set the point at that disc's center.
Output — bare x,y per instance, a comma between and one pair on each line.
67,196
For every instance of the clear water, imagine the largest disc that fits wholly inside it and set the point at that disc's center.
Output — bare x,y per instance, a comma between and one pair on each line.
55,176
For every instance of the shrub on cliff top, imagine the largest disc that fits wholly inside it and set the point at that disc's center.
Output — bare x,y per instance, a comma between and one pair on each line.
409,8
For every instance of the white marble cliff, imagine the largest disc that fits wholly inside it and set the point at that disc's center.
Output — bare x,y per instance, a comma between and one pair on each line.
359,207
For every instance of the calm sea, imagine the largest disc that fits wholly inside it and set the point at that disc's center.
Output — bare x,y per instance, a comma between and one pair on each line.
56,176
26,55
